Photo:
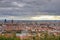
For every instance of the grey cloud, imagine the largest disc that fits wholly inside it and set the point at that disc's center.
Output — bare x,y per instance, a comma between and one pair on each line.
32,7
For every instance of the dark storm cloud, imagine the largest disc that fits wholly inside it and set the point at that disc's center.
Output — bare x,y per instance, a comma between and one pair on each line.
29,7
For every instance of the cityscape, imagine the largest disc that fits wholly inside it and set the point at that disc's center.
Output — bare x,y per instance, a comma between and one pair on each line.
24,29
29,19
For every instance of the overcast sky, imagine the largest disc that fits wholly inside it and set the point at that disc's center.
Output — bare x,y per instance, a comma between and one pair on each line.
28,9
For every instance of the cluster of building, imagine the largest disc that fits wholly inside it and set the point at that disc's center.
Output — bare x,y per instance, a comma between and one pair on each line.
30,27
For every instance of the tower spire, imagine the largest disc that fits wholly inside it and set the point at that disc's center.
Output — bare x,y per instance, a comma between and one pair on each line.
12,21
5,21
